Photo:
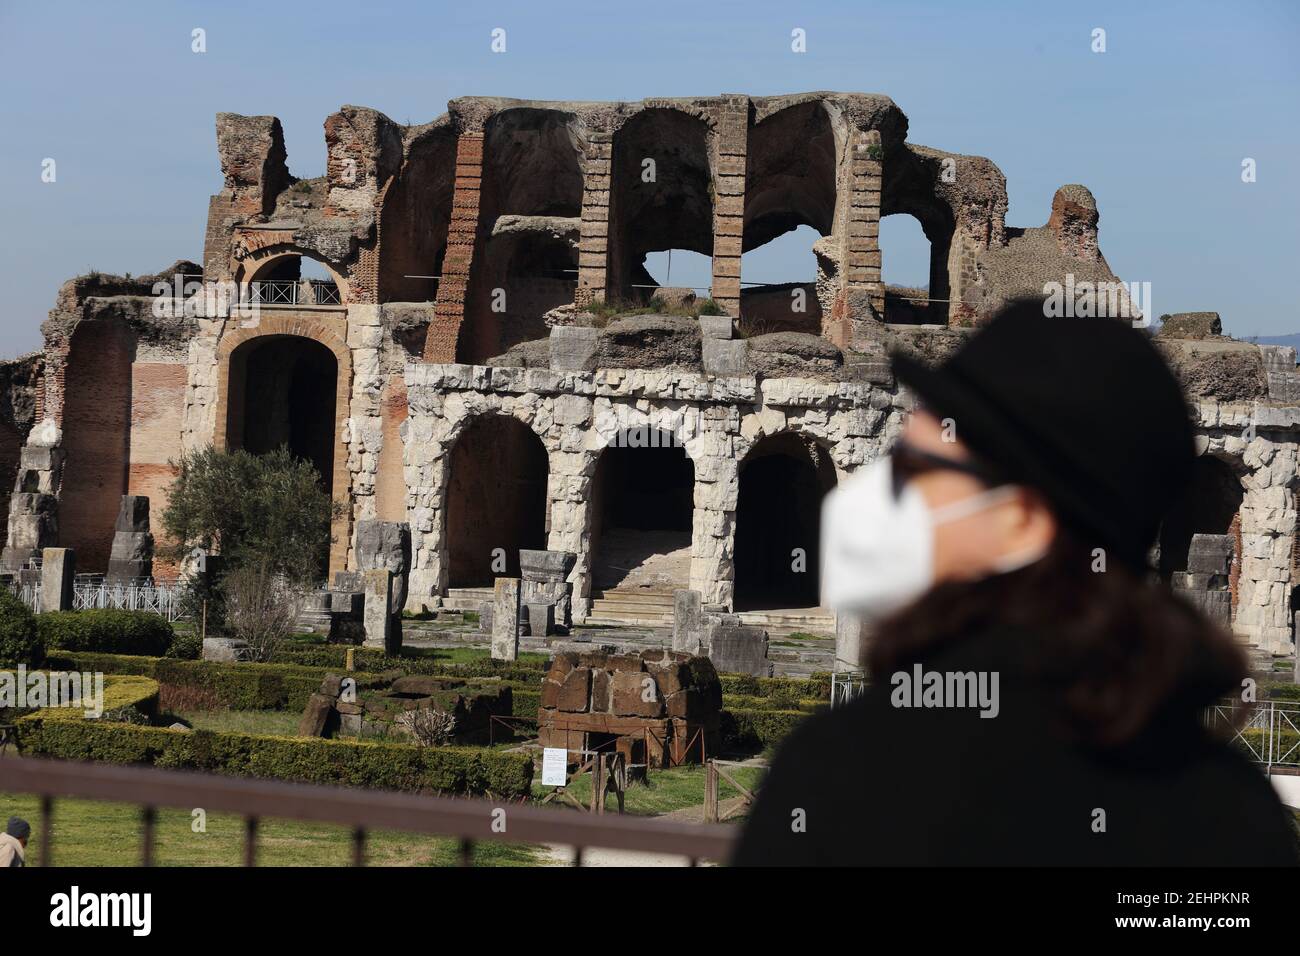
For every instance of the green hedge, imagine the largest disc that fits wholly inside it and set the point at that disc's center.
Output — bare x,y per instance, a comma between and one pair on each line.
105,631
1282,691
20,643
746,729
303,759
816,687
335,656
242,686
745,702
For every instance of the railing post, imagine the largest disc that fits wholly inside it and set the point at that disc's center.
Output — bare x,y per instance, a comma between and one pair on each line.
147,816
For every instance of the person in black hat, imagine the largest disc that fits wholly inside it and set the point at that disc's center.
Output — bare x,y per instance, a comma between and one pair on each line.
13,843
1035,696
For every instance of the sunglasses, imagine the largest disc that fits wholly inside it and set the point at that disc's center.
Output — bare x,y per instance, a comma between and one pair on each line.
907,461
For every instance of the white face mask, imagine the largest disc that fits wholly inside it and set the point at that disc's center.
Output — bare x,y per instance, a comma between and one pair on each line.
878,550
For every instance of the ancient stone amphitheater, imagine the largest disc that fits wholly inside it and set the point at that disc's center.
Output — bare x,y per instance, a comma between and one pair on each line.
484,356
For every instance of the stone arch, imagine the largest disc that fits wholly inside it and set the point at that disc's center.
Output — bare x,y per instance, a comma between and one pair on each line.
641,512
232,353
675,211
256,264
495,495
782,479
1210,505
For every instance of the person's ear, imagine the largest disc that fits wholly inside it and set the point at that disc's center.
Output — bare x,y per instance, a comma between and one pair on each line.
1033,523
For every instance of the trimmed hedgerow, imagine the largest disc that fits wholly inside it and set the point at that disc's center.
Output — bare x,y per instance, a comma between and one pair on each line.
334,656
243,686
815,687
303,759
20,642
105,631
744,729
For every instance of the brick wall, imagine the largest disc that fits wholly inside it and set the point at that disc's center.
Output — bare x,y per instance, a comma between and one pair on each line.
462,235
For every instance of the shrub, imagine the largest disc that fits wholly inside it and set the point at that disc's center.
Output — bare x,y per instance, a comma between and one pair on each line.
186,647
815,687
261,609
20,641
127,697
268,511
105,631
757,729
384,766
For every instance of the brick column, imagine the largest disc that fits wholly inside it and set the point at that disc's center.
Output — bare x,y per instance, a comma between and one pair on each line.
593,242
462,234
862,247
729,200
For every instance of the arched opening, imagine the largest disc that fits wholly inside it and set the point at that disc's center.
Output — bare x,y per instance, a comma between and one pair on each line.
779,293
1209,506
529,216
643,502
282,393
662,198
496,500
294,280
778,522
790,200
914,269
680,269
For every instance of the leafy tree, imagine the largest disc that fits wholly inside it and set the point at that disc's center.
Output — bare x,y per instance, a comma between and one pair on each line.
267,512
19,642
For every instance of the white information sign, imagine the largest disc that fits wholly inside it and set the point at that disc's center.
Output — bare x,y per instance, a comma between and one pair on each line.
555,766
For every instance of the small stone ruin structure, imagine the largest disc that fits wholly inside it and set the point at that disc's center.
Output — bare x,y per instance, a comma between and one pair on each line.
660,708
428,710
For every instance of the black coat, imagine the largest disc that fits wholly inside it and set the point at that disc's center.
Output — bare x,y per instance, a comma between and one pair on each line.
884,785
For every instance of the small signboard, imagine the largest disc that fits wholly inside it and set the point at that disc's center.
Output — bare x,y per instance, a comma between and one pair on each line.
555,766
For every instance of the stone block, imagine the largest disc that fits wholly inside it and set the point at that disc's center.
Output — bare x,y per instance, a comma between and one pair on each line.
1210,553
377,615
725,356
316,717
541,619
546,566
386,545
348,581
131,555
573,348
717,327
850,642
740,649
634,694
505,619
575,692
600,690
133,514
688,621
485,614
58,571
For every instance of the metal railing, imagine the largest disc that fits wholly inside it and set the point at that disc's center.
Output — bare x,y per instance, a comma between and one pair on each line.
468,821
171,601
289,292
1270,734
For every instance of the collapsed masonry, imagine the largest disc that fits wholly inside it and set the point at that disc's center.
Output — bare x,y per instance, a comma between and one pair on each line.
482,356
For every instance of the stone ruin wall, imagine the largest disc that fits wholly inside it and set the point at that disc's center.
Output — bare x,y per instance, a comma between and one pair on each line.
497,188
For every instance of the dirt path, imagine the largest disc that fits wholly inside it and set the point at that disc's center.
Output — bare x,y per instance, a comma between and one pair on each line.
560,855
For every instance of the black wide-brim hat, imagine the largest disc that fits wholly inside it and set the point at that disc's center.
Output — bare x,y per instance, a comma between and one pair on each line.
1085,410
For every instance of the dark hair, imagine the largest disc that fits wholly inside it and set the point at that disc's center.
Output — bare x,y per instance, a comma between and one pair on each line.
1117,650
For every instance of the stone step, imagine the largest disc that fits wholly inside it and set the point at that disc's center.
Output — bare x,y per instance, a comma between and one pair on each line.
603,606
646,596
466,599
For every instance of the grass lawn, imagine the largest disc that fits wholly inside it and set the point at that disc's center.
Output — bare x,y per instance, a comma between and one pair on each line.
281,722
90,833
667,790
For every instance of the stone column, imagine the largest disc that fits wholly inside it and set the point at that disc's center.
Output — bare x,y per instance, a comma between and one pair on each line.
377,613
462,236
850,642
58,570
729,210
33,507
386,546
593,241
713,524
505,619
131,557
861,282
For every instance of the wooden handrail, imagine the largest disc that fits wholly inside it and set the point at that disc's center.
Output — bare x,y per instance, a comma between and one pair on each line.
468,819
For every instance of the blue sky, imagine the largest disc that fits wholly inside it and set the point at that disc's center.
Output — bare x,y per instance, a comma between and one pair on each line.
1157,126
